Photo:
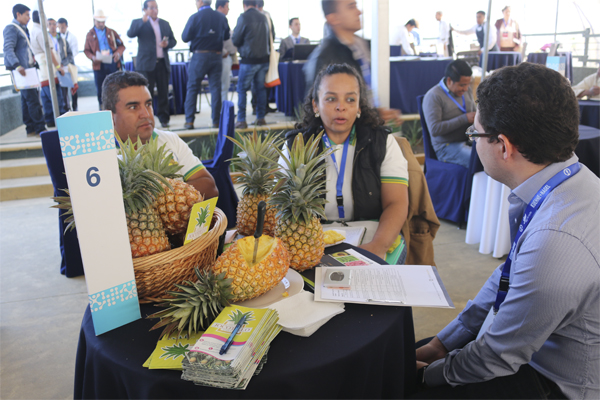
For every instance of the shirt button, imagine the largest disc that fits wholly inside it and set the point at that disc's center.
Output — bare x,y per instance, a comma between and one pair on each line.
515,220
370,194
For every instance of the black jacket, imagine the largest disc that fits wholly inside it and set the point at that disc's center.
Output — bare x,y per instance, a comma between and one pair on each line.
366,170
330,51
146,56
251,37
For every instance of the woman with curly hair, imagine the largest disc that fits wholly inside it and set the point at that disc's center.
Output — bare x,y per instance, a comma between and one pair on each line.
367,177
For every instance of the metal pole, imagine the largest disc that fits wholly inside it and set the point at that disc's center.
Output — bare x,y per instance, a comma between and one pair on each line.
485,40
48,60
380,53
556,21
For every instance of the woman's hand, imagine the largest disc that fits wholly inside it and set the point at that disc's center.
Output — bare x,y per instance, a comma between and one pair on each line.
374,248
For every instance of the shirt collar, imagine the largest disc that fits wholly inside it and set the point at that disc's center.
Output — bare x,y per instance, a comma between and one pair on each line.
526,190
18,23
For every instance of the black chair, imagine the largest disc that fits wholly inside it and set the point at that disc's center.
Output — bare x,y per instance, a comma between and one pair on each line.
71,264
449,184
218,166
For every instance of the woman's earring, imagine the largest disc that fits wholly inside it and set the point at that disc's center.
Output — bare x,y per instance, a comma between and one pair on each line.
357,115
317,115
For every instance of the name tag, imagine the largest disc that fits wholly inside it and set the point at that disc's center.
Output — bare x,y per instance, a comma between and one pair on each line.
487,323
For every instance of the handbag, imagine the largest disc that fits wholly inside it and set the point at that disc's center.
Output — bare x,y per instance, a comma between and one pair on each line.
272,77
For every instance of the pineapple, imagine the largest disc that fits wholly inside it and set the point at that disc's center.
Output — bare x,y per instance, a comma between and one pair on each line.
299,201
196,305
140,188
175,204
258,163
250,279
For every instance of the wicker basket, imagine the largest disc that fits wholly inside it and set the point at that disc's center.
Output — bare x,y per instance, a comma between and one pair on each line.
157,273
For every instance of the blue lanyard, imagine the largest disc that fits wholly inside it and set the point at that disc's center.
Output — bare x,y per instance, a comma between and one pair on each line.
341,170
464,107
530,211
203,8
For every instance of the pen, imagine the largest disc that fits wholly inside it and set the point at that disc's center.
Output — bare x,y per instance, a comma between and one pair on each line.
225,347
385,301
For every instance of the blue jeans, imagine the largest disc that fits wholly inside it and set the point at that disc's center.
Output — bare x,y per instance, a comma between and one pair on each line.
454,153
252,73
100,75
33,117
202,64
47,103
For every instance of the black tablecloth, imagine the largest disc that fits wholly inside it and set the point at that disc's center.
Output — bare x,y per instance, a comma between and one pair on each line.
589,113
365,352
499,59
408,79
540,58
588,148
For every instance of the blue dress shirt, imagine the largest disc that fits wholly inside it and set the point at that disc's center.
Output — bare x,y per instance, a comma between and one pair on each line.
551,316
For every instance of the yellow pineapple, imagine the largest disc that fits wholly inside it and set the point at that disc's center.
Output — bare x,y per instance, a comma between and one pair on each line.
175,203
250,279
258,163
300,202
140,188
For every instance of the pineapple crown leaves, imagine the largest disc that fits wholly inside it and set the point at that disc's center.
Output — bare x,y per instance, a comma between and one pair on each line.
140,184
175,351
64,203
297,195
159,160
257,161
195,305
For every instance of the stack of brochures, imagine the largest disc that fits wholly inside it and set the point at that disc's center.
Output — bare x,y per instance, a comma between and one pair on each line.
243,356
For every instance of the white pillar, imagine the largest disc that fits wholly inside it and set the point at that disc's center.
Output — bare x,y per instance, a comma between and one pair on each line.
380,53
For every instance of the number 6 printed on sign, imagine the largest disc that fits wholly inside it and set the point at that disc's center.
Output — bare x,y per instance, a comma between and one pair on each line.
92,179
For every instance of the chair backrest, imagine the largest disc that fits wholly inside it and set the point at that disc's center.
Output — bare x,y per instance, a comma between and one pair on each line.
224,147
429,152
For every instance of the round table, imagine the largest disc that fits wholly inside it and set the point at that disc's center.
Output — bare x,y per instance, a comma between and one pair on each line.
589,113
499,59
365,352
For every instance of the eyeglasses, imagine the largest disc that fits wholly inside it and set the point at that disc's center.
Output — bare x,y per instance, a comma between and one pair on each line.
472,133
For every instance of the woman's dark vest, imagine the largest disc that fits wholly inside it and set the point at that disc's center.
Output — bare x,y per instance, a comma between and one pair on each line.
366,177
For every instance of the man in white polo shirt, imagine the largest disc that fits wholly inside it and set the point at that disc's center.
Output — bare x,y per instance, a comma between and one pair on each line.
126,95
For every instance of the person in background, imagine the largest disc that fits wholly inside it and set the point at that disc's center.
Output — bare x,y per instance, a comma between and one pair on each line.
405,39
443,34
206,31
479,30
449,110
38,47
71,39
289,42
126,95
374,179
342,46
59,45
101,40
155,38
589,86
260,6
18,57
507,32
229,52
533,330
251,37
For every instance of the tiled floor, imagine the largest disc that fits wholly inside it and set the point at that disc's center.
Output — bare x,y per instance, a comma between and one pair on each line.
41,310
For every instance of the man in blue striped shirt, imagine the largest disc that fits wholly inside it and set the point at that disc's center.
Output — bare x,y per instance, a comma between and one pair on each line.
544,339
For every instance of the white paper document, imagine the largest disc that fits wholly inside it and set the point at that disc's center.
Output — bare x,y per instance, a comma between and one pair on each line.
29,81
105,58
404,285
65,80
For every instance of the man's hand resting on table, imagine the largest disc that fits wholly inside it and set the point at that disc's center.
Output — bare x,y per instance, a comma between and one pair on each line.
375,249
430,352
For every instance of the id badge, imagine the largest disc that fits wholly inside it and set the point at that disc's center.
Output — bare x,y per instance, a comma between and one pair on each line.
486,324
505,34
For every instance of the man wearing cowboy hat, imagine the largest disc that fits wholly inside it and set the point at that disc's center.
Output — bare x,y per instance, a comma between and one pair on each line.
105,48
